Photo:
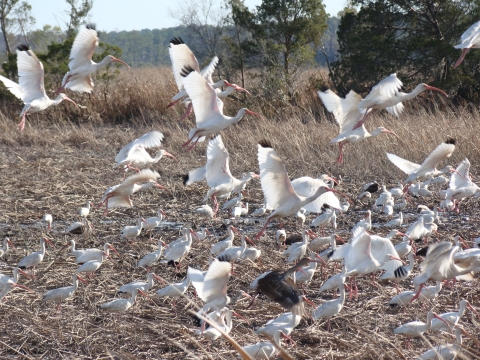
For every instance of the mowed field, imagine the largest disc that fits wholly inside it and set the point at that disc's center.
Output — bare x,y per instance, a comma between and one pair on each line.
56,167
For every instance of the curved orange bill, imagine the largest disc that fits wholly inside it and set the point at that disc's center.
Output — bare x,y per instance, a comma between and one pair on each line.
235,230
442,319
240,316
254,114
146,295
236,87
170,155
250,241
386,131
24,273
159,279
163,213
428,87
23,287
10,243
112,248
309,301
82,279
340,193
473,309
114,59
48,241
68,99
319,257
194,234
339,238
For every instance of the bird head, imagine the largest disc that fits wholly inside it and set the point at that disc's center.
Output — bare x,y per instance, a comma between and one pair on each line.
425,87
62,97
109,59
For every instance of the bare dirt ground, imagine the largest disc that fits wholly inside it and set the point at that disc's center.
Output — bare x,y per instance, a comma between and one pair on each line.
57,168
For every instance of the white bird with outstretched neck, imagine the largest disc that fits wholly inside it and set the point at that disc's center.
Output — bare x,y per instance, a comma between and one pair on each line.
61,294
470,40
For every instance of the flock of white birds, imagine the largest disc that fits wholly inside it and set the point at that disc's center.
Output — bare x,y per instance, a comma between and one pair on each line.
363,254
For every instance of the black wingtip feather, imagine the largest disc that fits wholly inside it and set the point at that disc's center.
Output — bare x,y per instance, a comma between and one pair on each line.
185,179
265,143
91,26
324,88
224,258
186,71
23,47
451,141
177,41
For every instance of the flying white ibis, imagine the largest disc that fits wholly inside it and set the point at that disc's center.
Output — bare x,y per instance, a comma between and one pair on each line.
387,95
451,318
119,195
91,266
150,259
93,254
81,65
209,117
278,189
132,232
152,222
220,246
121,305
348,115
47,219
277,287
415,329
219,178
427,292
470,40
4,249
182,57
306,186
195,175
31,89
34,258
429,165
134,155
144,286
61,294
330,308
398,273
461,186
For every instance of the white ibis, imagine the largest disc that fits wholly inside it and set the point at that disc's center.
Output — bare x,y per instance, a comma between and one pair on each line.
397,192
461,186
119,195
232,202
81,65
150,259
47,219
259,212
297,252
470,40
219,178
195,175
426,293
387,95
444,352
330,308
415,329
152,222
224,322
280,237
209,117
61,294
323,219
34,258
182,57
439,265
205,211
30,89
305,274
263,350
220,246
8,286
276,286
306,186
283,324
348,115
202,234
429,165
5,279
121,305
183,239
367,222
278,189
334,282
4,249
84,211
134,155
214,289
234,252
95,254
175,290
176,254
397,273
295,245
91,266
396,222
452,318
78,227
144,286
252,254
132,232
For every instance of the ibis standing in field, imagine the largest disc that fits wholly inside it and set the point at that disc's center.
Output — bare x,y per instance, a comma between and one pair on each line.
31,89
208,116
330,308
60,294
387,95
470,40
144,286
4,278
134,155
150,259
429,165
81,65
95,254
152,222
35,258
4,249
47,220
8,286
452,318
132,232
347,115
91,266
278,189
121,305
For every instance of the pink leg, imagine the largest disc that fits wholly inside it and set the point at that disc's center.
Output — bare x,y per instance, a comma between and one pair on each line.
133,168
350,296
187,113
417,295
263,229
190,140
173,103
21,124
462,56
361,122
340,152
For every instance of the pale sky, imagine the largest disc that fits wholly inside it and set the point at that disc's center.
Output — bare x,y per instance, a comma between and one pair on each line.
121,15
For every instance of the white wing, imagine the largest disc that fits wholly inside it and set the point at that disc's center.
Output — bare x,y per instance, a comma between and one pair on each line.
276,185
469,36
208,70
84,84
195,175
216,280
218,171
83,47
143,176
395,110
406,166
30,74
181,56
149,140
196,278
14,88
358,248
461,178
306,186
382,248
440,153
203,96
345,111
388,87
